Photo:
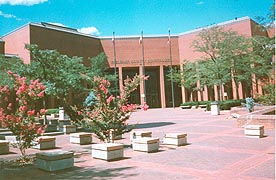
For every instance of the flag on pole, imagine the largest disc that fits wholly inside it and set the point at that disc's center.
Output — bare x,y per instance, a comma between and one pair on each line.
140,40
169,37
113,39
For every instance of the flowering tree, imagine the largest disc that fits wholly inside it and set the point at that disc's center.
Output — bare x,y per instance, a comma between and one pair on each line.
110,113
18,111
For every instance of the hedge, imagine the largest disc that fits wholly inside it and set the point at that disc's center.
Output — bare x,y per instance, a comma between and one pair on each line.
52,111
224,105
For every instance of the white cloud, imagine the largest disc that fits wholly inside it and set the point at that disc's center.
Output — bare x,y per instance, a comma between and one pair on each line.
8,15
199,3
89,30
22,2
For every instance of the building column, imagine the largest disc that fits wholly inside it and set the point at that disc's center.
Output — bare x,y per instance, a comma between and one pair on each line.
223,92
162,87
121,79
234,90
198,91
183,93
260,89
254,86
240,91
205,93
216,92
142,95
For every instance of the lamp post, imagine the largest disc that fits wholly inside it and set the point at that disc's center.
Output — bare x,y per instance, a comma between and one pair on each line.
170,45
115,68
143,66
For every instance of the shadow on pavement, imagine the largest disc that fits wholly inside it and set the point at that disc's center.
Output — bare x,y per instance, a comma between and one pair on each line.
152,125
31,172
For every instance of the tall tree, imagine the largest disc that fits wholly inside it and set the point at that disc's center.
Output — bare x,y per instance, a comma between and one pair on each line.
223,50
59,73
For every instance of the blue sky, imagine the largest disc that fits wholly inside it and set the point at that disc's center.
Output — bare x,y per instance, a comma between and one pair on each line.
128,17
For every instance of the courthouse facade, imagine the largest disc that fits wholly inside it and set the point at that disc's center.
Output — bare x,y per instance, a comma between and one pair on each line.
155,51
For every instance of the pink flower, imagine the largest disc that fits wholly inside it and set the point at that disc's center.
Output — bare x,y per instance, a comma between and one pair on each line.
79,113
23,108
144,107
146,77
31,113
9,72
103,88
40,131
43,111
41,94
109,99
124,108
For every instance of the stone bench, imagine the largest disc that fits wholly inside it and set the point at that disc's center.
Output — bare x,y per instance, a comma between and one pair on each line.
67,129
4,147
146,144
45,142
107,151
177,139
139,134
81,138
254,131
55,160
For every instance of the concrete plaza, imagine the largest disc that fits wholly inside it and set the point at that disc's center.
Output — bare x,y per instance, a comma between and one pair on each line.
216,149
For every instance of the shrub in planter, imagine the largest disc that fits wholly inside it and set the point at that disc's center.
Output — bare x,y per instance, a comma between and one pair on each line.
52,111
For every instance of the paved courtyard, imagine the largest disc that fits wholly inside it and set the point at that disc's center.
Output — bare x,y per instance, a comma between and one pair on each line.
216,149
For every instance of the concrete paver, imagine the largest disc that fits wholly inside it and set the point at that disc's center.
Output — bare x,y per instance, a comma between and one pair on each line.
217,149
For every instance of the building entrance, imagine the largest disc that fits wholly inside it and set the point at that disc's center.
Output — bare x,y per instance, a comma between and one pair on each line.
153,97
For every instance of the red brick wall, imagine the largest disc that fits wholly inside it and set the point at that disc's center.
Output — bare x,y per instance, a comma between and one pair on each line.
2,47
66,43
129,51
186,52
15,43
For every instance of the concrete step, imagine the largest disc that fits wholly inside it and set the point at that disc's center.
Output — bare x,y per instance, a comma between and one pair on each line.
4,130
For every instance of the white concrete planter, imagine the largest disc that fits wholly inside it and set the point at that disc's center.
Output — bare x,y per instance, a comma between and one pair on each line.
146,144
67,129
107,151
46,142
4,147
81,138
177,139
254,131
139,134
55,160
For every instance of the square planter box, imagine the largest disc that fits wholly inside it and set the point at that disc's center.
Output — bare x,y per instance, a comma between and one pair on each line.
51,128
55,160
4,147
81,138
108,151
254,131
46,142
145,144
62,122
177,139
139,134
67,129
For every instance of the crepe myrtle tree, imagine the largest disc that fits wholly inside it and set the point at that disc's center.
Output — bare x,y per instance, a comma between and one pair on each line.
110,113
18,110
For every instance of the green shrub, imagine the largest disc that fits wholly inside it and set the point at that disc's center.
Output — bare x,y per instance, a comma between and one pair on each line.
191,103
52,111
224,105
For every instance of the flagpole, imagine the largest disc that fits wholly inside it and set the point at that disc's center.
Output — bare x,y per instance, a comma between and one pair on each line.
171,67
143,66
115,68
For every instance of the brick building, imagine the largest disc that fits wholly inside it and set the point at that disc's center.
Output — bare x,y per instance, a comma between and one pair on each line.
129,55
